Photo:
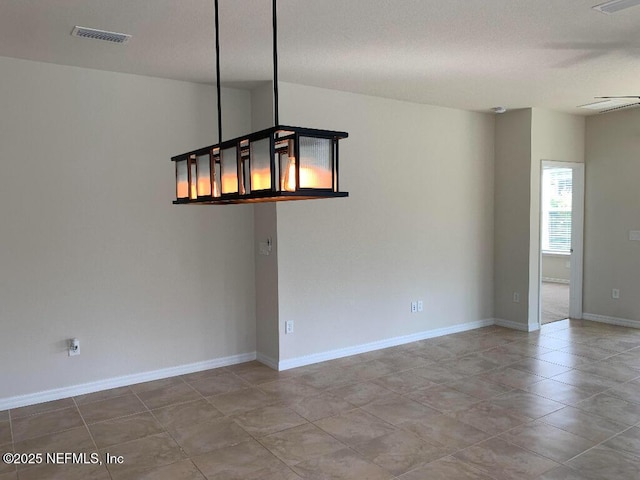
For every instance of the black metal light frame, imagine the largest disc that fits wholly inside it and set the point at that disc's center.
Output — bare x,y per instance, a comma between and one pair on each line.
315,173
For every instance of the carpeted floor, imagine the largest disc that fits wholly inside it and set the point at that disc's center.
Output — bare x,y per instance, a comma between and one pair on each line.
555,302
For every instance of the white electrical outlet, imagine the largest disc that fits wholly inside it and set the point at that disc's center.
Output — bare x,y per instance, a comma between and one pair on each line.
516,297
420,306
414,307
288,326
74,347
615,293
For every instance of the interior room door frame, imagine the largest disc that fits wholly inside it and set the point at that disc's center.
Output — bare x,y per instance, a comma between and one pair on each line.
577,237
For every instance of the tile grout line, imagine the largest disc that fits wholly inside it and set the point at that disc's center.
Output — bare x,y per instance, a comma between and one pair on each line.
40,435
534,420
93,440
403,430
290,467
559,428
176,442
585,438
531,421
593,447
206,400
253,437
13,443
165,428
147,410
456,357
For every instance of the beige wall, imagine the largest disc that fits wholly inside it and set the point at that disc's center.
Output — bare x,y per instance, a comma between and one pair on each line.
265,228
554,136
556,267
266,281
612,209
443,208
557,136
417,226
512,226
262,107
523,139
92,246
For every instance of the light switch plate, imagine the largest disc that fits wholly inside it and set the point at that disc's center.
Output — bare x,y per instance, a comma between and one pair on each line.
634,235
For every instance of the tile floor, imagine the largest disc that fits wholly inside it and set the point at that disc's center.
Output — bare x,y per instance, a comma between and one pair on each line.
562,403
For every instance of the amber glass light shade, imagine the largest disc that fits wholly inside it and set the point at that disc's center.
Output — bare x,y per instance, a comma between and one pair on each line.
182,179
203,168
260,165
193,187
229,169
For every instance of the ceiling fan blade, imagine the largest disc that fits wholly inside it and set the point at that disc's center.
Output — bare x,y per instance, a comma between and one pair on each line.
622,96
619,108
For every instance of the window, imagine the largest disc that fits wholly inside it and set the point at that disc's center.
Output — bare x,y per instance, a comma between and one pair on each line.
556,210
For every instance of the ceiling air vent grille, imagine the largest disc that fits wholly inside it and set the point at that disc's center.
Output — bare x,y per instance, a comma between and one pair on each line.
615,6
113,37
611,104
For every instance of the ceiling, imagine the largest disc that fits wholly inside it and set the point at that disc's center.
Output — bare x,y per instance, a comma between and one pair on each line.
468,54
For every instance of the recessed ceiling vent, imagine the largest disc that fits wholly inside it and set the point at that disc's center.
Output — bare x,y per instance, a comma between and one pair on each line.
113,37
613,109
615,6
610,104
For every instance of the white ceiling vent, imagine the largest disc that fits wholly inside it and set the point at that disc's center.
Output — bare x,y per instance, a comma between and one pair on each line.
610,104
616,5
606,104
112,37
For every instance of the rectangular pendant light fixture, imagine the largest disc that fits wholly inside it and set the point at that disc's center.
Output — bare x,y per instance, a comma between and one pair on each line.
276,164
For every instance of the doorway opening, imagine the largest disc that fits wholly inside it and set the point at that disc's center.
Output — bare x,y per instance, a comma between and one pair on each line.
561,219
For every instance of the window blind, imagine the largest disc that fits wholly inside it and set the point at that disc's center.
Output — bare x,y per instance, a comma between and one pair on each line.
556,209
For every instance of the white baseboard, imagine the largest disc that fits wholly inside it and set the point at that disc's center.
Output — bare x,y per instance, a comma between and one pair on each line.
555,280
125,380
386,343
523,327
268,361
622,322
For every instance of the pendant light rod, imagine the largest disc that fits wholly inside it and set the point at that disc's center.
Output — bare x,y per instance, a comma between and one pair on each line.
275,62
260,166
217,27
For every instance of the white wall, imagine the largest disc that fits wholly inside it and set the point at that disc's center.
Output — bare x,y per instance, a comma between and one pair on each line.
612,209
418,223
91,246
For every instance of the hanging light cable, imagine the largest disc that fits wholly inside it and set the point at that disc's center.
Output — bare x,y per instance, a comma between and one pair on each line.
279,163
219,104
274,15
